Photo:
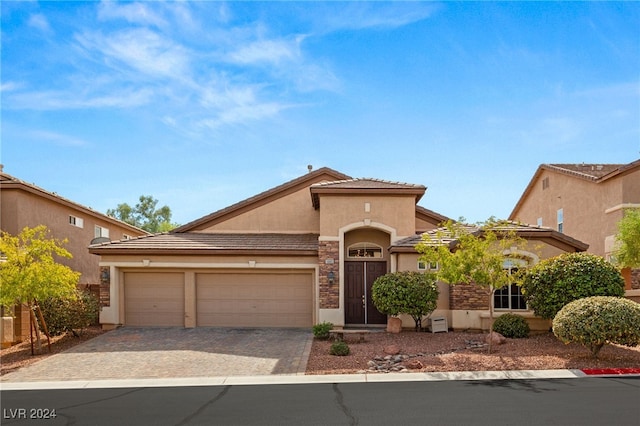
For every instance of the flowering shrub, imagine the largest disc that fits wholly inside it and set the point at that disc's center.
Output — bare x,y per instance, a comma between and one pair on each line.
596,321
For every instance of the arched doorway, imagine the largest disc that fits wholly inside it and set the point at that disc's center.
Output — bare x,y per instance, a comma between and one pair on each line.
366,259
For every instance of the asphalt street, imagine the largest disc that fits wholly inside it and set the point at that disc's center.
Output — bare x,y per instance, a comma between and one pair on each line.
579,401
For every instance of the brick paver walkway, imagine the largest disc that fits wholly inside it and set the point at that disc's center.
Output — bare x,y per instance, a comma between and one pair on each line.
129,353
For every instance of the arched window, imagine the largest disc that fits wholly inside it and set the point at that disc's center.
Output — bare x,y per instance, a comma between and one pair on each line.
510,297
364,250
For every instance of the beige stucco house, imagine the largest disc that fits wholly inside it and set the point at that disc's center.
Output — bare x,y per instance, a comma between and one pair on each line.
585,201
24,204
301,253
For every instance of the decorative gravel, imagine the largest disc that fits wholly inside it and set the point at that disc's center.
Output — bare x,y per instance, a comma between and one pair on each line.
463,351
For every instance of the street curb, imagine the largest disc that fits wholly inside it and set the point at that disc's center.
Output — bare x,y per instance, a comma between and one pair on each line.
296,379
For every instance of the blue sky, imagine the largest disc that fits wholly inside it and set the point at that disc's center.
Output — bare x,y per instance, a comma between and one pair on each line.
204,104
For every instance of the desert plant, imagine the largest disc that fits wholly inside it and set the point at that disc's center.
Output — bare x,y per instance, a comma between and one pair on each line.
411,293
339,348
64,315
554,282
596,321
321,330
512,326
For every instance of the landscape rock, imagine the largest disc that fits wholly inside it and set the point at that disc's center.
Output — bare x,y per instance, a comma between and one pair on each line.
495,338
394,325
414,364
391,350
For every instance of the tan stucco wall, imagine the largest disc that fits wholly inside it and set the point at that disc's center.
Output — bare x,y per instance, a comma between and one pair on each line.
20,209
337,211
584,205
293,213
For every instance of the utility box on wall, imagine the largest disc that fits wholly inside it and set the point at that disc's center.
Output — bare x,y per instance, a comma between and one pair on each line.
439,324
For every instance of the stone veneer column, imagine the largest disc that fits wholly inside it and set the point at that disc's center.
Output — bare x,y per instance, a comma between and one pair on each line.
329,293
468,297
105,287
635,279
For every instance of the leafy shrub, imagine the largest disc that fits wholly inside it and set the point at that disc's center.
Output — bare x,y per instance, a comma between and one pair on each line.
595,321
321,331
554,282
339,348
512,326
409,292
64,315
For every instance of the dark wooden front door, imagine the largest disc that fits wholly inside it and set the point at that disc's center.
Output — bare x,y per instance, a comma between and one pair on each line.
359,278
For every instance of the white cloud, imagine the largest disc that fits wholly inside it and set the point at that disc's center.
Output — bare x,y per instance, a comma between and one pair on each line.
55,138
141,49
137,13
364,15
267,51
61,99
9,86
40,22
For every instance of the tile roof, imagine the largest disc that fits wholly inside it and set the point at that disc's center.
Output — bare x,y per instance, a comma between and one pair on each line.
10,182
277,191
364,185
586,171
199,242
523,230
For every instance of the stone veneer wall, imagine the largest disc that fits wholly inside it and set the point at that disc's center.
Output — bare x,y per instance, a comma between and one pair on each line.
635,279
329,293
468,296
105,287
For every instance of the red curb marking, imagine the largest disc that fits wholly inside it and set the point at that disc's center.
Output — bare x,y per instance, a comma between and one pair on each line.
600,371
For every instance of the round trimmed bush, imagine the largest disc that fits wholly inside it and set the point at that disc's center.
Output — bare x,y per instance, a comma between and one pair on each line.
554,282
321,331
596,321
512,326
339,348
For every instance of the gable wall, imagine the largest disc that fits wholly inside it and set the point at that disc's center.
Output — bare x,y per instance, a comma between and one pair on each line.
583,203
293,213
337,211
21,209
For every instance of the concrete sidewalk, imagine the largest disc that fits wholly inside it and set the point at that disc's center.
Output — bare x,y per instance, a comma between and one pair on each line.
294,379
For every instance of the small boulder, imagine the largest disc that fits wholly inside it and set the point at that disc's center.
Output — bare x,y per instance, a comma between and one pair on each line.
495,338
391,350
414,364
394,325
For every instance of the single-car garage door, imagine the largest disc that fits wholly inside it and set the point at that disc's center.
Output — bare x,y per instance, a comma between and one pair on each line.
154,298
255,300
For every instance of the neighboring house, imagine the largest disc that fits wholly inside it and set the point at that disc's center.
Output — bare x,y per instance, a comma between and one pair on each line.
25,205
301,253
585,201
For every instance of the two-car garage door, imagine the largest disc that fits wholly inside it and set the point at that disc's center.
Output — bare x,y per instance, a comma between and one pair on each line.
223,299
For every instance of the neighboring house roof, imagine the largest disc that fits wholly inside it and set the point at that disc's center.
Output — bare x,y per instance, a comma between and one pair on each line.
262,198
430,216
212,243
10,182
595,173
364,185
549,235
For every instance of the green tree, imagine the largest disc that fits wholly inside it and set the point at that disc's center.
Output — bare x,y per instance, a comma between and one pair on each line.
473,254
554,282
145,215
627,252
411,293
30,271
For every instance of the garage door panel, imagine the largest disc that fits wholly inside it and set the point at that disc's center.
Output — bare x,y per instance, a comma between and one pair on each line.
154,299
255,300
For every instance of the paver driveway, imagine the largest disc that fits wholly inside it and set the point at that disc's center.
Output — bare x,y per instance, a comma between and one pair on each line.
169,352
